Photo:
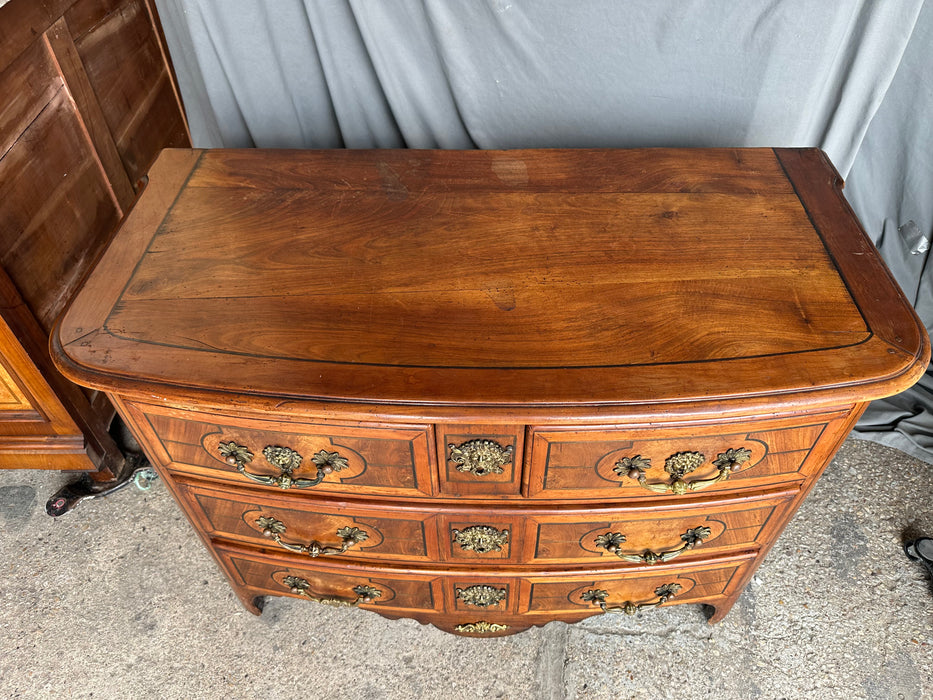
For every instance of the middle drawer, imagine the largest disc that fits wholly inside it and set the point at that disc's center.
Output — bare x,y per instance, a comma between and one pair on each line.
580,535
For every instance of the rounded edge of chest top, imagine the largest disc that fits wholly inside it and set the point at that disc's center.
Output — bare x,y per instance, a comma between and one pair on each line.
704,282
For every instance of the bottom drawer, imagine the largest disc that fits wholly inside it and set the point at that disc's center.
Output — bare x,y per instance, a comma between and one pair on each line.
607,592
486,602
399,592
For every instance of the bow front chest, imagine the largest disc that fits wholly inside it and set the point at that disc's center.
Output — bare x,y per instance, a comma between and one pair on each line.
491,389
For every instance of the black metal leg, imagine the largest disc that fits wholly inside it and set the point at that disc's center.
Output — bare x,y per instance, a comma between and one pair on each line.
136,469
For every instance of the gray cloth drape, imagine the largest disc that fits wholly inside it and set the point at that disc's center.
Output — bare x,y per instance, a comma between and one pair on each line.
850,76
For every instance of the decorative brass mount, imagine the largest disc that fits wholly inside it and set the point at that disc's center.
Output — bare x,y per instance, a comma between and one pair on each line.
480,457
364,594
691,538
286,460
481,538
481,627
598,597
679,465
481,596
349,536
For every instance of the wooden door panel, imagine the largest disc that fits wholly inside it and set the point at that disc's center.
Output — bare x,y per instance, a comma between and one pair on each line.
125,64
73,124
36,432
54,195
14,404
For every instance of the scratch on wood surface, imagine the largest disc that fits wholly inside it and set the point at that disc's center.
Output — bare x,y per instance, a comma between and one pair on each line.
392,184
800,309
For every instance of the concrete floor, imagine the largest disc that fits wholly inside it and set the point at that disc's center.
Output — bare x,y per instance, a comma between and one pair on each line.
119,599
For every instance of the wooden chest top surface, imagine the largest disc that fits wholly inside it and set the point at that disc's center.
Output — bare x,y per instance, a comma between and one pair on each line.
495,278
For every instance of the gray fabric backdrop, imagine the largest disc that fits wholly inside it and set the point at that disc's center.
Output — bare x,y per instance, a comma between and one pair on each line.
850,76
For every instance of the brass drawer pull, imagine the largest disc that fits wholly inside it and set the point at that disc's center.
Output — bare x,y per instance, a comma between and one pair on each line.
481,627
598,597
481,538
274,528
364,594
691,538
480,457
679,465
481,596
286,460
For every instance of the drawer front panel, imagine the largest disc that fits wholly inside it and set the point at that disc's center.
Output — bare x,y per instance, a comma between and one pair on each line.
385,589
648,537
477,601
480,460
579,594
257,518
360,460
640,463
473,538
543,599
472,595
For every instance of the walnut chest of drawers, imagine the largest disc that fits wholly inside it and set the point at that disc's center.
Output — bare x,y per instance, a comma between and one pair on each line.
491,389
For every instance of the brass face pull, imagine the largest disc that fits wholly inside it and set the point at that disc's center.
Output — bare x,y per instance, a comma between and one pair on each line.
364,594
286,460
480,457
598,597
481,596
679,465
274,528
691,538
481,538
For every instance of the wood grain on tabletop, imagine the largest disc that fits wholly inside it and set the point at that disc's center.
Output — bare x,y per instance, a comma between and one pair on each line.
593,276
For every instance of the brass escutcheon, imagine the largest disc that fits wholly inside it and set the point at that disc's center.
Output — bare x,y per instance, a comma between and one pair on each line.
481,538
679,465
481,596
480,457
286,460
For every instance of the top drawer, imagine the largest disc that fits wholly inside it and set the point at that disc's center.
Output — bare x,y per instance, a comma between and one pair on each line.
616,463
294,454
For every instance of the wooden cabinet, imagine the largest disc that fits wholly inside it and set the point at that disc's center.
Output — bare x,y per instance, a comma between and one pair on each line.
488,390
89,100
